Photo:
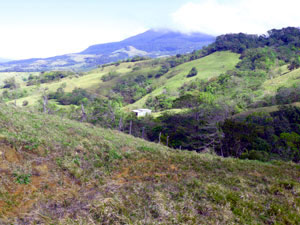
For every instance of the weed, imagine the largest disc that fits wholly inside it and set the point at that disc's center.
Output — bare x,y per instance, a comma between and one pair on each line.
22,178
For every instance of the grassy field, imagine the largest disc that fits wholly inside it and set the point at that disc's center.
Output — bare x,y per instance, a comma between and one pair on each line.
268,109
57,171
19,76
286,80
90,81
208,67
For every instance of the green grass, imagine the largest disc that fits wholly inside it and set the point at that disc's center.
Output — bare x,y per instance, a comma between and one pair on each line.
208,67
81,174
90,81
287,80
19,76
170,111
267,109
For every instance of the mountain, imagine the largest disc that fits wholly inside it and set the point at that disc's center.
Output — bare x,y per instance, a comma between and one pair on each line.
156,43
152,43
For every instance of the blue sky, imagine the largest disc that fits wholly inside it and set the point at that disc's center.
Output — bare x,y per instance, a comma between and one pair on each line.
42,28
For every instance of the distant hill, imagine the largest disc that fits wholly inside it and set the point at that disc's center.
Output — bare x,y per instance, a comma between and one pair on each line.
152,43
156,43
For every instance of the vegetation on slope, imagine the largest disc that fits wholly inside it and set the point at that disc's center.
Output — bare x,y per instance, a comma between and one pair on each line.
204,87
58,171
208,67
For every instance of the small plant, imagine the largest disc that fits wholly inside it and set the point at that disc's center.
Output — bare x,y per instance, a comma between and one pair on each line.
22,178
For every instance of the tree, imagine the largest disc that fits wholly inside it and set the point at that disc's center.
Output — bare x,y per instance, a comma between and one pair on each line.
293,142
295,63
11,83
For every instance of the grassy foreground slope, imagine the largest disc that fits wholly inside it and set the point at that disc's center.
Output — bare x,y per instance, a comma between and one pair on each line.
57,171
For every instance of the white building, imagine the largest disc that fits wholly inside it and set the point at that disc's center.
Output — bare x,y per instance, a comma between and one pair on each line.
142,112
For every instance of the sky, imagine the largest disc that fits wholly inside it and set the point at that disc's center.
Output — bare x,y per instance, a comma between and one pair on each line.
44,28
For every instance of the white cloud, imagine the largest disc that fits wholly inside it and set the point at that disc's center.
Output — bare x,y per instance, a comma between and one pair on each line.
35,40
248,16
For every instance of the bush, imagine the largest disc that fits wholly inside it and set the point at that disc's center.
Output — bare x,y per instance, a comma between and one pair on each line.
109,76
163,70
25,103
77,96
193,72
256,155
10,83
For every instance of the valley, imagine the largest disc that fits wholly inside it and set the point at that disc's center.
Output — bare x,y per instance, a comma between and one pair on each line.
221,146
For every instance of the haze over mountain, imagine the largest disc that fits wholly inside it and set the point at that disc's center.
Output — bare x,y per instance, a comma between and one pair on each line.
2,60
152,43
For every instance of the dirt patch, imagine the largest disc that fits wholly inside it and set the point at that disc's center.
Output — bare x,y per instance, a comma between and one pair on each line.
145,170
256,174
46,181
11,155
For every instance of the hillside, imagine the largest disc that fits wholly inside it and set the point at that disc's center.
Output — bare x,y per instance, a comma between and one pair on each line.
208,67
151,44
156,42
58,171
195,98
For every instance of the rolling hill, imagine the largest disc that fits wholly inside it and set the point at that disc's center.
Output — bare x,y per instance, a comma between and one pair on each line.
209,67
151,44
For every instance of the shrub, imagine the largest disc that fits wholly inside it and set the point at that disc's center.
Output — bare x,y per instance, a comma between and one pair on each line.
193,72
22,178
109,76
25,103
256,155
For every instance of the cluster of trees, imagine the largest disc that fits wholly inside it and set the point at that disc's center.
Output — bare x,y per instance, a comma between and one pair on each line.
264,135
133,88
47,77
12,91
159,102
137,59
10,83
163,70
286,95
238,85
111,75
285,42
193,72
76,97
